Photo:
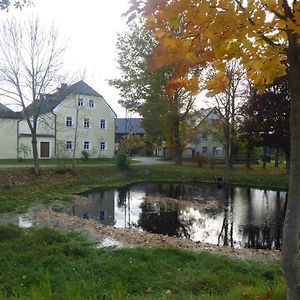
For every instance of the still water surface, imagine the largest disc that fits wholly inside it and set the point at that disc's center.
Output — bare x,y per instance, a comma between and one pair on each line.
228,216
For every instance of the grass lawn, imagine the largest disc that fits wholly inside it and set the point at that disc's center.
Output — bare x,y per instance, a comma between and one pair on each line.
45,264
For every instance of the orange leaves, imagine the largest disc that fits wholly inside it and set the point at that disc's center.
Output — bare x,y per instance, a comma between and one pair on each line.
191,84
199,33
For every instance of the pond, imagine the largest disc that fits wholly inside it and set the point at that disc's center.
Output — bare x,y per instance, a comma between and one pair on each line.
226,216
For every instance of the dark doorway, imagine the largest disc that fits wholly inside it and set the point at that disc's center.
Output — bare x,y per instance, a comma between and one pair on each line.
45,149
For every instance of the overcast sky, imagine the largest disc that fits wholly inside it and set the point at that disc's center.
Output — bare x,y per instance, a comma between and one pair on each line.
90,28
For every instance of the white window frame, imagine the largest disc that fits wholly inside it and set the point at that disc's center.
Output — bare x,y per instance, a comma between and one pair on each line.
87,121
204,150
66,121
105,146
89,146
92,103
80,102
204,136
72,145
105,123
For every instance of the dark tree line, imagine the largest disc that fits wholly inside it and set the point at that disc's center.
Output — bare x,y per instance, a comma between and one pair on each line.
266,119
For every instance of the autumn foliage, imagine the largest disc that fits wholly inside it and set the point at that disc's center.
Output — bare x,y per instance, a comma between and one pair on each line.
207,33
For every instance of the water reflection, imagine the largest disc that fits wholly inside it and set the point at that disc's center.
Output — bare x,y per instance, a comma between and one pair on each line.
230,216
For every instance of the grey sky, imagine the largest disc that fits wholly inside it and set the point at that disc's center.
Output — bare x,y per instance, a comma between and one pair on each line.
90,28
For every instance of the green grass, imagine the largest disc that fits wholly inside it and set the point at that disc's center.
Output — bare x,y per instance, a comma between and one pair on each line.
46,264
20,188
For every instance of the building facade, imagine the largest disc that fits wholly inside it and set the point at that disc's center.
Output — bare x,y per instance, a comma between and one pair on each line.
208,140
73,120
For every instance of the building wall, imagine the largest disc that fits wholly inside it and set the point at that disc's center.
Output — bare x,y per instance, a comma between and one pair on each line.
8,138
94,135
206,141
26,148
45,134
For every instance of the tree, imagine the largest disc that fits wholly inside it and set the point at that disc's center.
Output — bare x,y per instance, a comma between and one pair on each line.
228,104
259,33
30,59
266,118
165,116
132,143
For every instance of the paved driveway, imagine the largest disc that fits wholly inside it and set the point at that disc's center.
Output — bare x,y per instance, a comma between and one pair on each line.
151,160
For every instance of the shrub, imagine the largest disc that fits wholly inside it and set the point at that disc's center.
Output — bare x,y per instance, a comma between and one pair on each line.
122,159
85,155
200,160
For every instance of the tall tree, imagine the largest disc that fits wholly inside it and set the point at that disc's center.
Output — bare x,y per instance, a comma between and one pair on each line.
266,118
259,33
228,104
165,116
30,58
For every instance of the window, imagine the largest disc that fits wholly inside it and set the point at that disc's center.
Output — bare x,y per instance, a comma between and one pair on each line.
103,146
91,103
86,123
204,150
69,121
204,136
102,124
215,151
80,102
86,145
69,145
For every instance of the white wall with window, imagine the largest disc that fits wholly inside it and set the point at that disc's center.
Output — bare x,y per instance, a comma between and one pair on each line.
103,146
69,145
86,122
103,124
92,103
80,102
90,125
86,145
69,121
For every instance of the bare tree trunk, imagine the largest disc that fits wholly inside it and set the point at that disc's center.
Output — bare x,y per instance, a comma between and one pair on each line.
36,164
276,158
177,141
288,162
290,246
249,155
75,135
264,157
227,147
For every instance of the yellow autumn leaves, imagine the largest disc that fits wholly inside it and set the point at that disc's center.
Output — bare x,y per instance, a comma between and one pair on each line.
200,33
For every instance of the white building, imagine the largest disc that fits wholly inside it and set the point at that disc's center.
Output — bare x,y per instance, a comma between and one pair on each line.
207,141
75,118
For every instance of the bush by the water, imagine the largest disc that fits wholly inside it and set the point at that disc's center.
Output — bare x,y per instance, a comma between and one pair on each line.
122,159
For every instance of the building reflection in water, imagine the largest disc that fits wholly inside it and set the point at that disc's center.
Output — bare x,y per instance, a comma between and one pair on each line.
230,216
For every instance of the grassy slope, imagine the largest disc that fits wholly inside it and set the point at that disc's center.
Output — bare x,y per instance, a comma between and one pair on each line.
45,264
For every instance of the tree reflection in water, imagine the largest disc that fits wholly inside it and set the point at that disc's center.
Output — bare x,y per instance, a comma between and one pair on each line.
163,218
230,216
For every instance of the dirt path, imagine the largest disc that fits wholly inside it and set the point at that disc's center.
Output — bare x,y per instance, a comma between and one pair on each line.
132,237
